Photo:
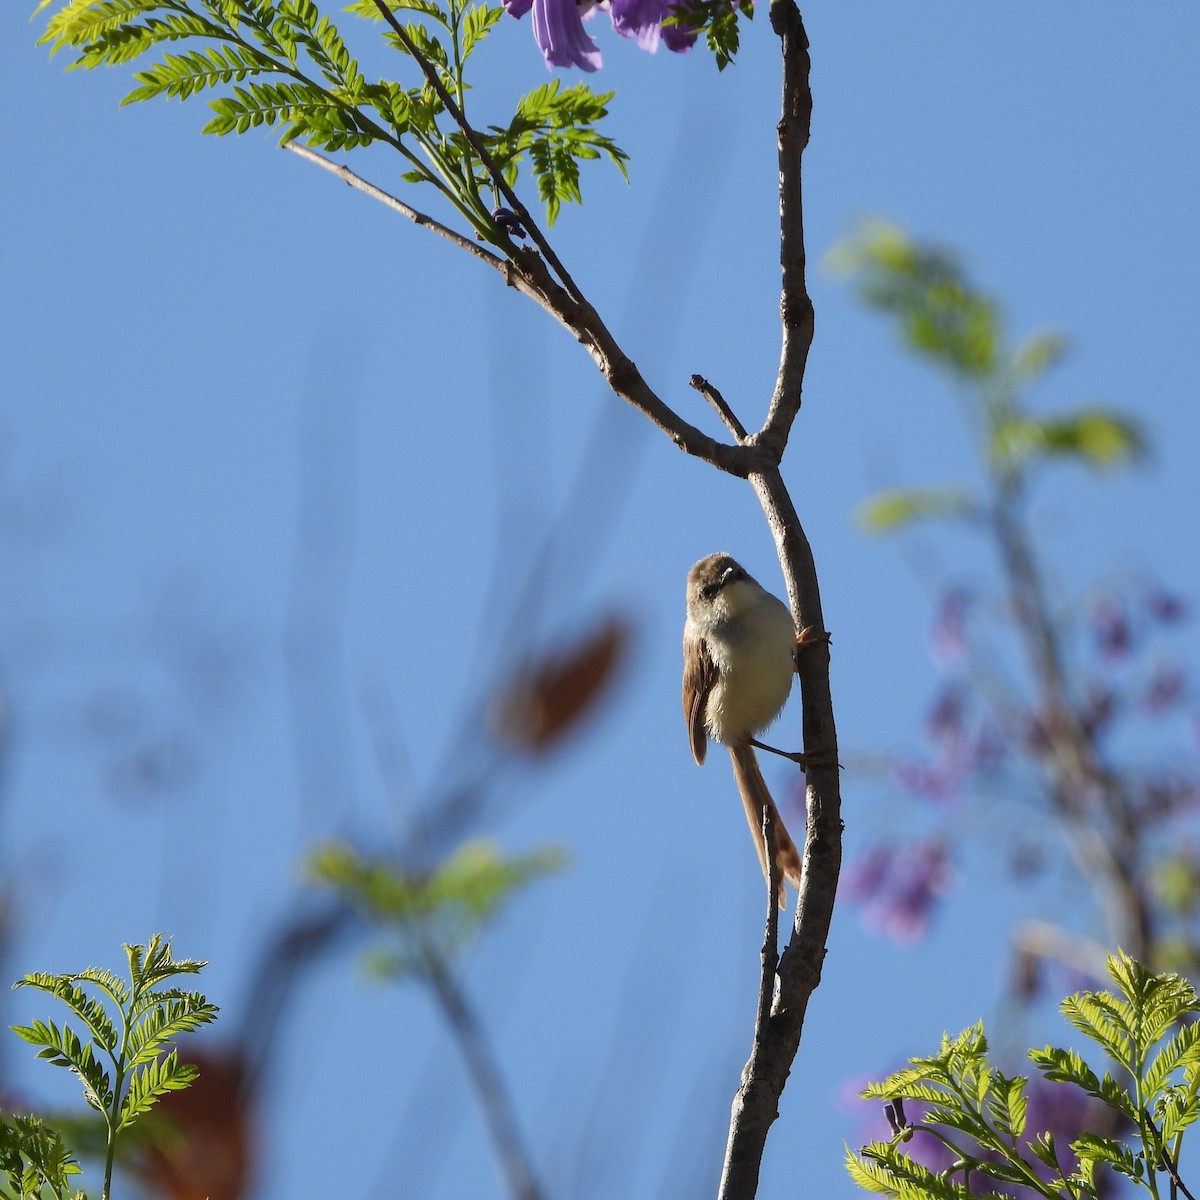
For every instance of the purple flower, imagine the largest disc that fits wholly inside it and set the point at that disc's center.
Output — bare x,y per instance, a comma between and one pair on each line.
1165,607
1169,795
1166,686
938,782
982,749
1110,628
944,721
558,28
643,20
677,36
948,637
558,31
638,19
898,888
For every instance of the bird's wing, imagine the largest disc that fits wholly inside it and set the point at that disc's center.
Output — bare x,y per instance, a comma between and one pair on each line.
698,675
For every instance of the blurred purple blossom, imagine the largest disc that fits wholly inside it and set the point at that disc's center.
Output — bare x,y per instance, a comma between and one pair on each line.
1111,630
559,33
1165,607
1170,795
944,721
1166,687
948,635
985,747
962,749
938,782
898,887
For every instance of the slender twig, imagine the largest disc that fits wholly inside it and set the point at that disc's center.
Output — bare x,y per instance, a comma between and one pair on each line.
1168,1162
770,947
485,1077
795,306
530,277
710,393
564,299
349,178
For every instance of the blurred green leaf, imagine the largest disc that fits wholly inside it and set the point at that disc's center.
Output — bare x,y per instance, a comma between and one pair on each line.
938,311
1037,354
888,511
1098,436
438,911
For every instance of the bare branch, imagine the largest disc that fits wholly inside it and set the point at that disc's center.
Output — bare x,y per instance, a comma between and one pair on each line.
770,947
715,398
795,307
485,1078
756,1104
349,178
529,274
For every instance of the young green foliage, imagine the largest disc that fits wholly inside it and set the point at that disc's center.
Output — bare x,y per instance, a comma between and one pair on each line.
556,129
285,63
34,1162
125,1059
979,1114
718,21
946,319
429,917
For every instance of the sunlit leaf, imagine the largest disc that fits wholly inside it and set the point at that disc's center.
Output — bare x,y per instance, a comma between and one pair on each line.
1037,354
1097,436
889,511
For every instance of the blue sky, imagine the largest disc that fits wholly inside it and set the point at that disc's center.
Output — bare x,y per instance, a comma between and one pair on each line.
263,443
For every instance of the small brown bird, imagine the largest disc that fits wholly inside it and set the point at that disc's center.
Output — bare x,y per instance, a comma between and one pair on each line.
739,644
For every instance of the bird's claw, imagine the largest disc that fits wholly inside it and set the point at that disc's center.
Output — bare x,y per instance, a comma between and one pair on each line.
804,761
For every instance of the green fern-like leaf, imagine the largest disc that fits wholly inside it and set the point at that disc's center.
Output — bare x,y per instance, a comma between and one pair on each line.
320,38
1106,1021
869,1173
1006,1105
169,1018
1111,1152
85,1007
554,128
1183,1050
128,41
312,115
183,75
81,21
884,1167
149,1084
718,21
429,8
479,21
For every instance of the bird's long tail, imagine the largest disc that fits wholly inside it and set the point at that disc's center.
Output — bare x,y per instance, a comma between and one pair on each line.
755,797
